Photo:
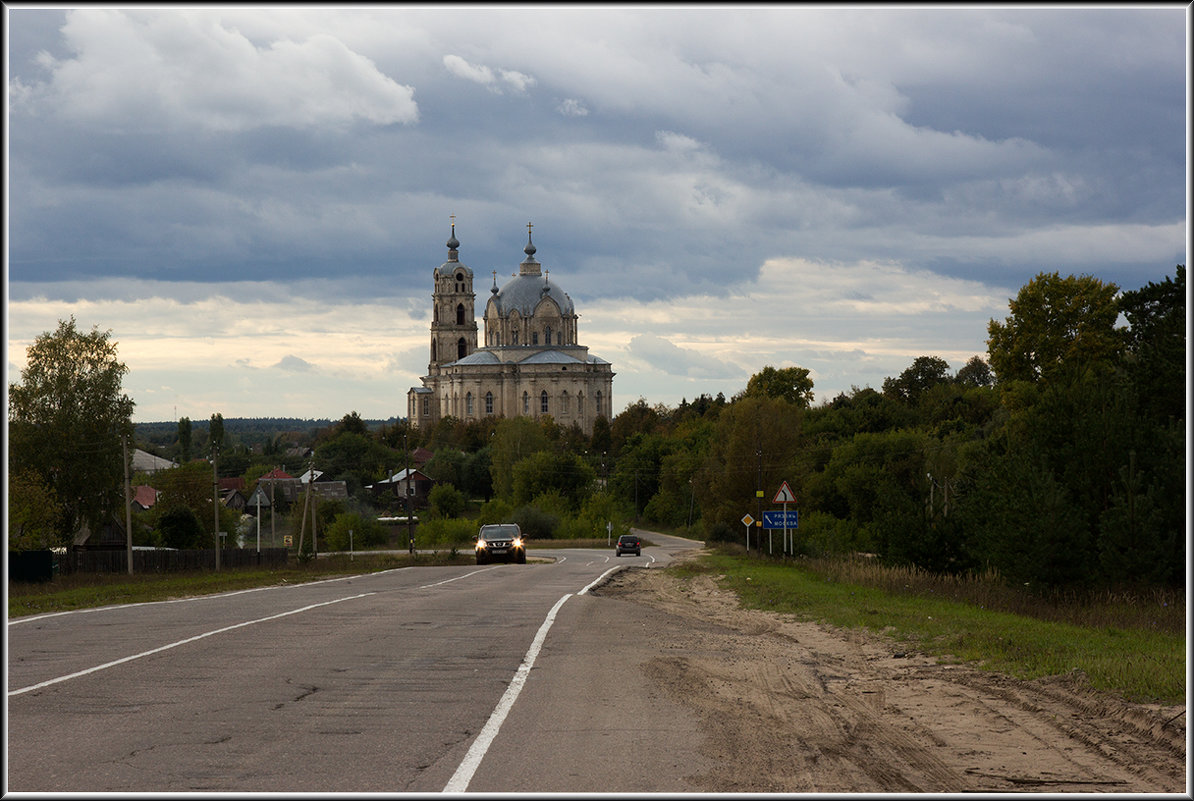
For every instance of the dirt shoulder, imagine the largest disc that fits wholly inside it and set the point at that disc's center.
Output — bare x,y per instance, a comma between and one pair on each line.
796,707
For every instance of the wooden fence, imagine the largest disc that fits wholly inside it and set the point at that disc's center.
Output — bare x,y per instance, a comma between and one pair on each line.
166,561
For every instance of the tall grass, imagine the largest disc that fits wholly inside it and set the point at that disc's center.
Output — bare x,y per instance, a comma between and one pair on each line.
1126,645
1161,609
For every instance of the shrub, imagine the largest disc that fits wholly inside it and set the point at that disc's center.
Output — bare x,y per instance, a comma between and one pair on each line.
446,501
535,522
447,532
366,532
495,511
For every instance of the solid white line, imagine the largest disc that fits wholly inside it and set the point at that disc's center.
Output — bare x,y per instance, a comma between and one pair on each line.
599,579
181,642
457,578
32,618
472,760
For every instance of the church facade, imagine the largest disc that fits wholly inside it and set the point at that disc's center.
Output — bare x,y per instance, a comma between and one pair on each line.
531,363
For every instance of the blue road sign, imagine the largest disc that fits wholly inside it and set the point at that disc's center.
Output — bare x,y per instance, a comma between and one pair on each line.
781,519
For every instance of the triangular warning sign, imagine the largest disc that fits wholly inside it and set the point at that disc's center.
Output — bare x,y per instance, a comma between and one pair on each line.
785,495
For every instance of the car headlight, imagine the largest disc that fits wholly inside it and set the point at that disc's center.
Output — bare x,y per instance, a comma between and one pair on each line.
480,544
518,542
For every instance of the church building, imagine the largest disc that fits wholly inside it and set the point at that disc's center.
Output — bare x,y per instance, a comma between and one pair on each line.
531,365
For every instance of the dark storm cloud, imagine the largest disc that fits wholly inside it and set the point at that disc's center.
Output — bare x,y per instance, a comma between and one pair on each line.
654,154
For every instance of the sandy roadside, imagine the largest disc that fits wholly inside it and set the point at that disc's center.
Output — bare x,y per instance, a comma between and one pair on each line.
795,707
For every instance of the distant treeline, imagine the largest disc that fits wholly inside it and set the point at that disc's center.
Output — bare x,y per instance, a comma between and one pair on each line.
244,430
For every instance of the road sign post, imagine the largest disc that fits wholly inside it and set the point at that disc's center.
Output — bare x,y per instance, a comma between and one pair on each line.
746,521
785,496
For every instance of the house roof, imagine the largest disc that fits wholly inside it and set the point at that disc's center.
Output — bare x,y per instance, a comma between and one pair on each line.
146,462
145,496
276,474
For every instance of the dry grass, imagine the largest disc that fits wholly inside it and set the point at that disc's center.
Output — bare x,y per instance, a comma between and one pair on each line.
1159,609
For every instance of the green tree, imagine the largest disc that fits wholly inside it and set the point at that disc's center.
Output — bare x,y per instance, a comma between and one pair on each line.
353,530
552,471
753,449
184,440
355,459
514,439
67,418
445,501
602,439
1055,323
1156,345
217,432
33,512
178,527
792,384
352,423
636,418
925,373
975,373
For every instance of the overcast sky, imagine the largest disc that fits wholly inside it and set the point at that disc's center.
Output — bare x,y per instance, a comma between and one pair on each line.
253,200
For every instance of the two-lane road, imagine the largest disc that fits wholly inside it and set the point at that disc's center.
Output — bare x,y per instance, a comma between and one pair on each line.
496,678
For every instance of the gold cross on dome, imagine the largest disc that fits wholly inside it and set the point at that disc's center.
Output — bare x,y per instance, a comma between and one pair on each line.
529,226
453,218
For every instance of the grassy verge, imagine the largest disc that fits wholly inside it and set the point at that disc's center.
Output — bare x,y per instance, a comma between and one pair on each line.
87,590
1144,663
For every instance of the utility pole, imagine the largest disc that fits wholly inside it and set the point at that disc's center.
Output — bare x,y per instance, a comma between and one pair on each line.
273,540
215,500
410,534
128,503
759,487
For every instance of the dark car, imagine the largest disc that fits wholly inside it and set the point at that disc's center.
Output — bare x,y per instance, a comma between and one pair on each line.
501,542
630,543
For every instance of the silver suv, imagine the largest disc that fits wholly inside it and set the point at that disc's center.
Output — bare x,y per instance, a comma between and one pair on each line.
501,542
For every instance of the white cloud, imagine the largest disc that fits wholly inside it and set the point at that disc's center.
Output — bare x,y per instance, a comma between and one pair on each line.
293,364
659,353
491,79
148,70
572,107
676,143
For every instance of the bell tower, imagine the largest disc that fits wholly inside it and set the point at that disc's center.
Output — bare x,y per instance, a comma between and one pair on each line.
453,319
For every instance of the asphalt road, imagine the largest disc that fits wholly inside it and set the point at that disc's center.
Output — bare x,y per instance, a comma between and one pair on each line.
502,678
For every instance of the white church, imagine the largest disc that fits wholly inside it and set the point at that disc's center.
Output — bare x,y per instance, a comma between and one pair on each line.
532,364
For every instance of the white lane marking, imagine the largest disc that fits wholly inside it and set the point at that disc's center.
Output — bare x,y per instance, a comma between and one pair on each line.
472,760
181,642
33,618
599,579
457,578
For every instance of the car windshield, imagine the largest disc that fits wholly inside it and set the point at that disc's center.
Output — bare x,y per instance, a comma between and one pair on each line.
627,539
498,532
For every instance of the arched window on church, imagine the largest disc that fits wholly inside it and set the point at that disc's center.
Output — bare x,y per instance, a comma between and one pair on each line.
580,404
433,356
514,337
543,402
564,403
600,408
468,404
461,348
526,403
488,403
547,336
459,314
